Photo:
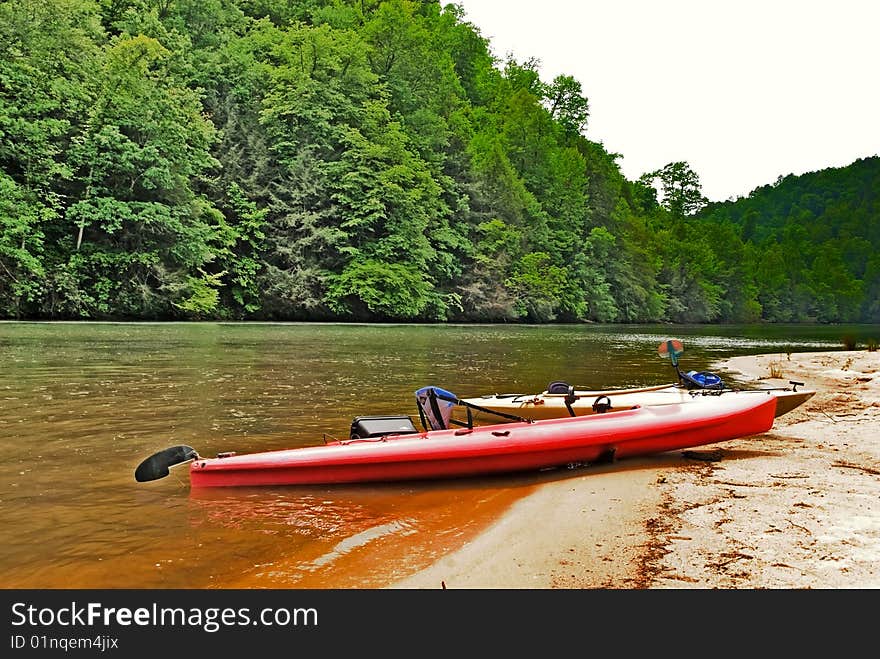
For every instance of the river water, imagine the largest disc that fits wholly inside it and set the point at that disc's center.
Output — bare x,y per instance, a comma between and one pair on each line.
81,404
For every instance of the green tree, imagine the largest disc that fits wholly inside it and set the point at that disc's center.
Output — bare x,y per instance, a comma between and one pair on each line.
140,233
679,187
49,51
483,289
21,247
536,284
566,103
372,288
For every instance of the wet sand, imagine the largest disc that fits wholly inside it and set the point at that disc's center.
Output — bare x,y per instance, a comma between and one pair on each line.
794,508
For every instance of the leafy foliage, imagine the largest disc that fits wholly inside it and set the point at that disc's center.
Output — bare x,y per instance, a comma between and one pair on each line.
351,160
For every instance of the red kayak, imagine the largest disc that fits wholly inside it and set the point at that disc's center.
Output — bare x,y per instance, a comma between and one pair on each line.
471,451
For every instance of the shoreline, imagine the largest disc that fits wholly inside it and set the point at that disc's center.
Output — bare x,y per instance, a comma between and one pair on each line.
795,507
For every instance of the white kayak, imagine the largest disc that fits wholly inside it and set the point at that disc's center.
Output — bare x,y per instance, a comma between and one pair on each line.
577,402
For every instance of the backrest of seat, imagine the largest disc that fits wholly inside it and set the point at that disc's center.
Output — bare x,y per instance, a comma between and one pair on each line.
558,387
435,407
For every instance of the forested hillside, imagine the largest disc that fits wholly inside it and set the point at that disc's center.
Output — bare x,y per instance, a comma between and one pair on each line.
364,160
815,243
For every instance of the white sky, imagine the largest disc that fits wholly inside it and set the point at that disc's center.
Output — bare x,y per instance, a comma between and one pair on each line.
743,90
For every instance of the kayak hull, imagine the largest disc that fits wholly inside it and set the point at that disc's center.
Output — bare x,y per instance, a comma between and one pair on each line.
483,450
552,406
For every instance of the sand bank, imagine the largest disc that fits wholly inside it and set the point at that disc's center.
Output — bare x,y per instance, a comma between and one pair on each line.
797,507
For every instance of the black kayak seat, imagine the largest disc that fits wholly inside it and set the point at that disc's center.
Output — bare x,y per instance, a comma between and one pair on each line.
558,387
363,427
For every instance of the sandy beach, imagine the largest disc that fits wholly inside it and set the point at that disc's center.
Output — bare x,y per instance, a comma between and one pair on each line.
795,508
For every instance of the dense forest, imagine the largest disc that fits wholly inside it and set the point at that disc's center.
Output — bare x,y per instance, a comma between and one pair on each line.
365,160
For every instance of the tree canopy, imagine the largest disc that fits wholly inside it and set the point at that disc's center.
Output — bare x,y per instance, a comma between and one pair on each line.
370,160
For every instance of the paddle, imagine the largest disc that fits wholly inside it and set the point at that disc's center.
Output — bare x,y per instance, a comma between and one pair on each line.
671,349
157,465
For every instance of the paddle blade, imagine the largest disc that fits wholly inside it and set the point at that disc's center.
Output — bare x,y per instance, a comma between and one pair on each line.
670,349
157,465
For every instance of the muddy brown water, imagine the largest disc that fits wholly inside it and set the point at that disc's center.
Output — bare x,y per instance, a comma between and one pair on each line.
81,404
